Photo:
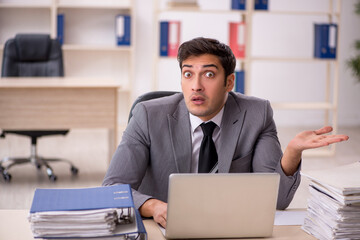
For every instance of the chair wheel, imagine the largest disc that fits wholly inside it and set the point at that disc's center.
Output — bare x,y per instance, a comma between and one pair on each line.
74,170
7,177
52,178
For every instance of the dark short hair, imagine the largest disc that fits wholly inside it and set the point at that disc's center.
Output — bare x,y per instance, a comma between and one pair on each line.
199,46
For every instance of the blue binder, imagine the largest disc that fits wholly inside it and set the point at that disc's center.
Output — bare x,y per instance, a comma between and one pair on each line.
238,4
164,38
60,28
116,196
325,40
240,81
261,5
123,30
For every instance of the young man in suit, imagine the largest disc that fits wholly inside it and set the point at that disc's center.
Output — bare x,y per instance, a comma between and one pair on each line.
164,135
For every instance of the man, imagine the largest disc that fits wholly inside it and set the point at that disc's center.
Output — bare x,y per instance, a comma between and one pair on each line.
164,135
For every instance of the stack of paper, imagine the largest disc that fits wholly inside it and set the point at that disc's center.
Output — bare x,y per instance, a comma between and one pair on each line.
85,213
334,204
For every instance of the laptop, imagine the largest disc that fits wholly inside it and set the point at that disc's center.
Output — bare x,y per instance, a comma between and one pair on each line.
231,205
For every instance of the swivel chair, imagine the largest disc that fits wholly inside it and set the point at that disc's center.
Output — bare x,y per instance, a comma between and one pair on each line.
32,55
149,96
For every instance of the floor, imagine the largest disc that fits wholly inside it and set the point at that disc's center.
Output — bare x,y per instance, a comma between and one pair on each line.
88,149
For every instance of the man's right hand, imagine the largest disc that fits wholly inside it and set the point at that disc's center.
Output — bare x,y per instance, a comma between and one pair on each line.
156,209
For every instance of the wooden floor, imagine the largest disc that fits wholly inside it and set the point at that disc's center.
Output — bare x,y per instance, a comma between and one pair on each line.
88,149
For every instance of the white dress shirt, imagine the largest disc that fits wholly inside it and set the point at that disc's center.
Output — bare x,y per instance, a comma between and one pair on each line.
197,136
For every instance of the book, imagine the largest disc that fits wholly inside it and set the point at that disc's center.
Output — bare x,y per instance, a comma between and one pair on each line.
60,28
123,30
333,210
169,38
325,40
238,4
261,5
240,81
85,213
237,38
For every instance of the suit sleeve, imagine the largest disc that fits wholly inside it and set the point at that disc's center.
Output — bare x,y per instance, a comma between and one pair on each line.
267,158
131,158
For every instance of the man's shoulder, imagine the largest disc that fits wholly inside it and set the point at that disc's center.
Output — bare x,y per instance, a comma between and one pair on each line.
245,100
162,106
167,102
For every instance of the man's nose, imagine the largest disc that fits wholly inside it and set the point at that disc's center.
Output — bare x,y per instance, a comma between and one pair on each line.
197,86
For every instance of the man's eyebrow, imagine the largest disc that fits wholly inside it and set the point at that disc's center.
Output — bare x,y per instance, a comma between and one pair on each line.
210,65
204,66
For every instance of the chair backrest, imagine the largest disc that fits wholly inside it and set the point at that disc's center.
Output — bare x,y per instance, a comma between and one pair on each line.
32,55
149,96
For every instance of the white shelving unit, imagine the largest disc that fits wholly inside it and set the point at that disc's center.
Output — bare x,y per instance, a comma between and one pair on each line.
89,49
327,103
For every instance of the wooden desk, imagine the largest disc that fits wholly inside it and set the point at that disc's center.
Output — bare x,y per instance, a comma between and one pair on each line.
14,225
59,103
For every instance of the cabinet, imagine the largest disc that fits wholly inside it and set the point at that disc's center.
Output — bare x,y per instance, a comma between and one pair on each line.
278,64
89,48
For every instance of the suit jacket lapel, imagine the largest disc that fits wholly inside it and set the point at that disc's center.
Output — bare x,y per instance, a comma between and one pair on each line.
180,132
231,126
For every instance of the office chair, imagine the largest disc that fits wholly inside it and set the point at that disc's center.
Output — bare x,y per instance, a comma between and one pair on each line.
32,55
149,96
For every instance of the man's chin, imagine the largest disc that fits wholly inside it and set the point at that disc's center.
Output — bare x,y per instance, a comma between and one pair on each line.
198,112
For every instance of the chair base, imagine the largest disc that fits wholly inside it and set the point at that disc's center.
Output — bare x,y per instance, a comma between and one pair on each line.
35,160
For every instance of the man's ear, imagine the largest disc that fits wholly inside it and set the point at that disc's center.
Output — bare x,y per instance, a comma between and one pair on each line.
230,81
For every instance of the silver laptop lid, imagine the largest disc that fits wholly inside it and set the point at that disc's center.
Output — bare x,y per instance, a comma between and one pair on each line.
221,205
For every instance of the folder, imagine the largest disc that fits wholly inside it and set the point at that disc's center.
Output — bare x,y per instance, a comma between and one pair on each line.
123,30
237,38
240,81
86,212
169,38
164,40
174,38
60,28
238,4
261,5
325,40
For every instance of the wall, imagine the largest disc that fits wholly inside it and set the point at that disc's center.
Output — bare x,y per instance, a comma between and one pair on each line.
303,81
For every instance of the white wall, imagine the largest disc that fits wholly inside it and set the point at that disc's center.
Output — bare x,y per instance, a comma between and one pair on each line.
272,35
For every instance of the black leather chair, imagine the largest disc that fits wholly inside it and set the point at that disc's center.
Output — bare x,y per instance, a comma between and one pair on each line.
32,55
149,96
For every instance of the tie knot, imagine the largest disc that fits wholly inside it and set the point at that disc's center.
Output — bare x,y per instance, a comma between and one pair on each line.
208,128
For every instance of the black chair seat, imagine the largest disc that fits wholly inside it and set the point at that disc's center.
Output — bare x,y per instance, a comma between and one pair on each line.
36,133
149,96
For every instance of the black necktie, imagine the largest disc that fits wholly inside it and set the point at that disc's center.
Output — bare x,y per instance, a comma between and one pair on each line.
208,156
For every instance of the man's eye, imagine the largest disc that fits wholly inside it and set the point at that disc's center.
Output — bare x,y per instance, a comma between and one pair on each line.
187,74
209,74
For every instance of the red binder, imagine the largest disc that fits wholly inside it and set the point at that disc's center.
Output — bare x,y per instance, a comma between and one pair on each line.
174,38
237,38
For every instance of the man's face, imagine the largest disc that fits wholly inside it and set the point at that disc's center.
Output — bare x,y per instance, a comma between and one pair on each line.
203,85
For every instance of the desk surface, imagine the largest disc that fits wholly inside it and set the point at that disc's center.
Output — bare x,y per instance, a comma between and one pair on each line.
58,82
14,225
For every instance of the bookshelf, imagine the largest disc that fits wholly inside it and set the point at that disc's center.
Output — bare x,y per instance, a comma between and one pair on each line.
259,60
89,49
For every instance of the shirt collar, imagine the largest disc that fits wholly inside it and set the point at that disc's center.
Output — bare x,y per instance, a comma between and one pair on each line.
196,121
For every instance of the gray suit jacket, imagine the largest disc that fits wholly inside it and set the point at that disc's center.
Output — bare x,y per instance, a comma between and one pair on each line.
157,142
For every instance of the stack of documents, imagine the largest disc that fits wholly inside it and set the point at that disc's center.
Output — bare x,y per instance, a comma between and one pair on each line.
85,213
334,204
